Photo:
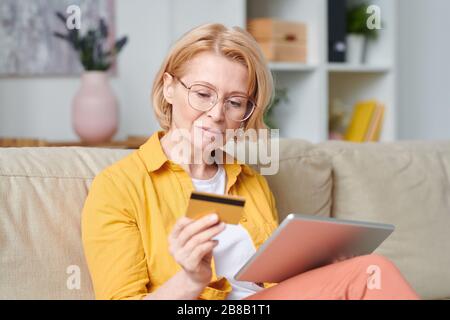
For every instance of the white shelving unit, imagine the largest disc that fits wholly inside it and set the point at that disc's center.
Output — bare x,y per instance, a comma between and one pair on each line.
290,66
317,83
343,67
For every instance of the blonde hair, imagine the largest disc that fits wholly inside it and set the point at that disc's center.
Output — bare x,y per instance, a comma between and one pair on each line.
234,43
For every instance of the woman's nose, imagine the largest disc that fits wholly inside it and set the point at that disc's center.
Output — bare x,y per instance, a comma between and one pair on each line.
217,112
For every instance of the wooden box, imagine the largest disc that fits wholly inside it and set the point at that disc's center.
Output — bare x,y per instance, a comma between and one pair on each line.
283,51
266,29
280,40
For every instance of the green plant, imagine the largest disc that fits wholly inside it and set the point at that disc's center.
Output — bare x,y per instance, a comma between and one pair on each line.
280,95
91,46
357,21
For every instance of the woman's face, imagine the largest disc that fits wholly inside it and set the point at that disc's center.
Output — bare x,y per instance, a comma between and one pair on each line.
226,77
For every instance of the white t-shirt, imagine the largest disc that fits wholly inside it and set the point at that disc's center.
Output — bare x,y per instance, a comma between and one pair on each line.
235,244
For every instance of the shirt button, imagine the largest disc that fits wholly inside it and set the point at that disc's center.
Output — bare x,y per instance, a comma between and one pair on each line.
244,219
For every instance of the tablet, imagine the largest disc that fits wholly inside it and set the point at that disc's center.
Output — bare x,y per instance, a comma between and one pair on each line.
305,242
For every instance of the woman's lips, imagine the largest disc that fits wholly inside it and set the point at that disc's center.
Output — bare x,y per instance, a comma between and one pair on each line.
211,131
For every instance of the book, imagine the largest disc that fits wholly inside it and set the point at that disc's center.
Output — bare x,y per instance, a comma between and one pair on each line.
360,122
373,133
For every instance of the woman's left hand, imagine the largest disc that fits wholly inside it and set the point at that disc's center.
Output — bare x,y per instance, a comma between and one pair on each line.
342,258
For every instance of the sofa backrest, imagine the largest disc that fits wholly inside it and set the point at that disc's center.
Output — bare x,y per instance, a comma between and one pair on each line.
303,182
42,193
406,184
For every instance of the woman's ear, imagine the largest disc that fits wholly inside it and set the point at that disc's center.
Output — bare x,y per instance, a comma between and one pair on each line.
168,87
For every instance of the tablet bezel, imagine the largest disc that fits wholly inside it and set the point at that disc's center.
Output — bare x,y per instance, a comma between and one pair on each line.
248,272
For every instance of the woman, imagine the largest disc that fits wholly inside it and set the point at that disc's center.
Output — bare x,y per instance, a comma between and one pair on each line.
137,243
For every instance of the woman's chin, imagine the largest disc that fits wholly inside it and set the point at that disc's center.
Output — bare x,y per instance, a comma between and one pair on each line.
208,147
205,149
207,140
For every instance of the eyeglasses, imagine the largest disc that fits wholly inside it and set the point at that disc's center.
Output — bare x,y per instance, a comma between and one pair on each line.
203,98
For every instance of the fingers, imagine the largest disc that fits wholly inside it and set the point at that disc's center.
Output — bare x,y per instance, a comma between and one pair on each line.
204,236
201,251
179,226
196,227
190,242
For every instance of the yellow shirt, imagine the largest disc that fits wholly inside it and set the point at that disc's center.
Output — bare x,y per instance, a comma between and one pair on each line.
131,208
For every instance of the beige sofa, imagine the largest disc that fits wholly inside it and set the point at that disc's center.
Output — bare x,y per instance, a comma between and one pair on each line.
404,183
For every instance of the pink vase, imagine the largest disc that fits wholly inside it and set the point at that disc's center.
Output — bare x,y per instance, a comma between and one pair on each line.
94,109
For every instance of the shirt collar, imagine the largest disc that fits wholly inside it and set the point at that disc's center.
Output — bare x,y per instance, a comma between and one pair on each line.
152,152
154,157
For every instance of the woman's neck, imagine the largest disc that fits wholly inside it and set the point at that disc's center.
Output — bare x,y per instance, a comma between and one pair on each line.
198,169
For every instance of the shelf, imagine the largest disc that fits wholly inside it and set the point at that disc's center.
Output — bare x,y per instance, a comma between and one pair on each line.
344,67
131,142
291,66
315,84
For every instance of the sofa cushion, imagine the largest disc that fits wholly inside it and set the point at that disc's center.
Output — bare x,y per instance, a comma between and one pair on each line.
406,184
303,183
43,191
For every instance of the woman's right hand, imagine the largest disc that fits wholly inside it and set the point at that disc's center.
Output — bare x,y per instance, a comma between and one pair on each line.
191,244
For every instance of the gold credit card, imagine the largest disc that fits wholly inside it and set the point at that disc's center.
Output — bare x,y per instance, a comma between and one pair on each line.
228,208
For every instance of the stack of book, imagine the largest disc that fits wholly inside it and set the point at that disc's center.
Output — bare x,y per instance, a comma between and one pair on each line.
366,122
280,40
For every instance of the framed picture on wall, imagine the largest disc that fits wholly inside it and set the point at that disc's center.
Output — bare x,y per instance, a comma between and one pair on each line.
26,35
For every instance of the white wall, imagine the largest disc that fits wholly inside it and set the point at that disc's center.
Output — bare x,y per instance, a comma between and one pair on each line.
424,69
41,107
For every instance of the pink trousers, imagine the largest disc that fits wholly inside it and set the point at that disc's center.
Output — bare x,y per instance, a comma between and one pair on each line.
370,277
